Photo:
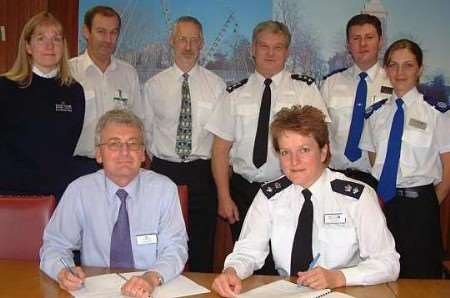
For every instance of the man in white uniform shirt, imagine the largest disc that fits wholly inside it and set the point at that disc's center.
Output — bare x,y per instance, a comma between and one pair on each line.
340,91
178,103
236,122
107,81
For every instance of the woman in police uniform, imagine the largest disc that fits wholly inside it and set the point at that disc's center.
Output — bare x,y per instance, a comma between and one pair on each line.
41,114
324,228
409,147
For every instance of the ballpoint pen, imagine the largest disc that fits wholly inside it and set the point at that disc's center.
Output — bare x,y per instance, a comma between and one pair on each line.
70,270
314,262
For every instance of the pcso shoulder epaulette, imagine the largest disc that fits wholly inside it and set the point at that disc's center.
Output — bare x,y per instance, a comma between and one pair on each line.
236,85
374,107
441,106
334,72
348,188
272,188
307,79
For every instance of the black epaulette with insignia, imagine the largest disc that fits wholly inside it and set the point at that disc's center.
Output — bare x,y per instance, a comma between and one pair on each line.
439,105
335,72
236,85
307,79
272,188
348,188
374,107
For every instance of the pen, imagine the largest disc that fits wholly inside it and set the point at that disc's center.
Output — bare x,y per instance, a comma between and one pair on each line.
70,269
314,262
126,279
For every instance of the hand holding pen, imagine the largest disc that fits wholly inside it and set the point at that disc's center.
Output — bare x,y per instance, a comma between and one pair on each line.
70,278
317,277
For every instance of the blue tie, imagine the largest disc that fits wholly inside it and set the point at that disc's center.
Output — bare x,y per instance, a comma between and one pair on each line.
121,254
352,151
388,180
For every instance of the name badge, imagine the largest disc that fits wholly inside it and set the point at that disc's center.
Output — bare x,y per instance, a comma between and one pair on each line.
63,107
334,218
146,239
417,124
386,90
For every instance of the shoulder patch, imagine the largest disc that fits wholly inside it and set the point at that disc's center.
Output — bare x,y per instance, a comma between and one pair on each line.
307,79
236,85
272,188
348,188
374,107
439,105
334,72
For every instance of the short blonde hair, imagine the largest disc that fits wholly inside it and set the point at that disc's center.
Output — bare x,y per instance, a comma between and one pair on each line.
21,71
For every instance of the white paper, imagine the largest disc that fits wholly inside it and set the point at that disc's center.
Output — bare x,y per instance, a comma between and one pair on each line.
108,285
283,289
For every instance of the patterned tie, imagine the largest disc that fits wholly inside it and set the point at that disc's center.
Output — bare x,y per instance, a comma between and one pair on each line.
301,254
388,180
121,254
262,132
183,144
352,151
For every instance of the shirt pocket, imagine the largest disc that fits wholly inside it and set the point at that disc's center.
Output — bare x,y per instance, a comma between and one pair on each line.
416,145
91,108
338,245
246,120
204,111
340,110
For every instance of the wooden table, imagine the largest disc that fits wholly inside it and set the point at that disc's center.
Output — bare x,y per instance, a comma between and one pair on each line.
24,279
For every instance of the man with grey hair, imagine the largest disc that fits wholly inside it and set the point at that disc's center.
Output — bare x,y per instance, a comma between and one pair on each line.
178,103
241,120
119,217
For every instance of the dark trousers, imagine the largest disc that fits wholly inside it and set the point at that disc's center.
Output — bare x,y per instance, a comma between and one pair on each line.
243,193
202,207
85,165
414,223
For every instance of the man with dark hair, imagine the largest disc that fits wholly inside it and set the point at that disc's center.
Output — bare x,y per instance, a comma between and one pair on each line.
241,120
107,81
348,92
178,103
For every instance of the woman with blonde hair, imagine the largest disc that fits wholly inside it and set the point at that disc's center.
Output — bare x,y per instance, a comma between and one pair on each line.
42,113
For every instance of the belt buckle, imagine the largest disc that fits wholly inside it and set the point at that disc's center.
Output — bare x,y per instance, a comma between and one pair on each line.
412,194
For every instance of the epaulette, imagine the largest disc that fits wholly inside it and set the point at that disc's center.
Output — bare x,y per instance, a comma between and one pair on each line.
236,85
307,79
272,188
335,72
348,188
439,105
374,107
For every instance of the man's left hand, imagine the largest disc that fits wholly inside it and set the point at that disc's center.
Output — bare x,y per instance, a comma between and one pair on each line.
321,278
141,286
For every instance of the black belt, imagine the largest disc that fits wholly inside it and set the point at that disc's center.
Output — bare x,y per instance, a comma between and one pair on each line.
415,192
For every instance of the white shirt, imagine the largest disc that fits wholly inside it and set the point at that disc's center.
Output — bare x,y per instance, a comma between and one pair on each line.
350,233
117,87
425,136
235,119
162,109
338,92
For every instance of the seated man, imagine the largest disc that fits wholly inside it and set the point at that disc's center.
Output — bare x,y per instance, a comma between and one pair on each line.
119,217
312,211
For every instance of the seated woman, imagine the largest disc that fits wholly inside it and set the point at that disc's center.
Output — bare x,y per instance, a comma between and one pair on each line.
409,148
311,212
41,115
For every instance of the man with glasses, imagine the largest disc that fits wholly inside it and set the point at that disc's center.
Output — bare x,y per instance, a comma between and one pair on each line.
179,102
119,217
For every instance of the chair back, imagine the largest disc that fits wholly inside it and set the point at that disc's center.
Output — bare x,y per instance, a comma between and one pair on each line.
22,223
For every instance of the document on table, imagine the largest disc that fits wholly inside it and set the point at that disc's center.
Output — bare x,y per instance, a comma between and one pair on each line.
286,289
108,285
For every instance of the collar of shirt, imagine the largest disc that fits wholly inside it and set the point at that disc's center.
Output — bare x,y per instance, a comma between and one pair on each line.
408,99
371,72
87,63
49,75
179,73
276,79
111,187
319,186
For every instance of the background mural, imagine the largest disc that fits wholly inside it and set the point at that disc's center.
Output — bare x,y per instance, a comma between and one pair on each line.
317,27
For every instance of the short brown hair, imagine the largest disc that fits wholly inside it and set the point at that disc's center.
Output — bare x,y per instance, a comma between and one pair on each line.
102,10
304,120
118,116
272,27
363,19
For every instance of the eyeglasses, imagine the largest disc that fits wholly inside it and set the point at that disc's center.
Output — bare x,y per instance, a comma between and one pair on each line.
115,145
195,41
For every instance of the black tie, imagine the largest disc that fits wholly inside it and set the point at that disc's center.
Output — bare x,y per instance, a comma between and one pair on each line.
301,254
262,133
